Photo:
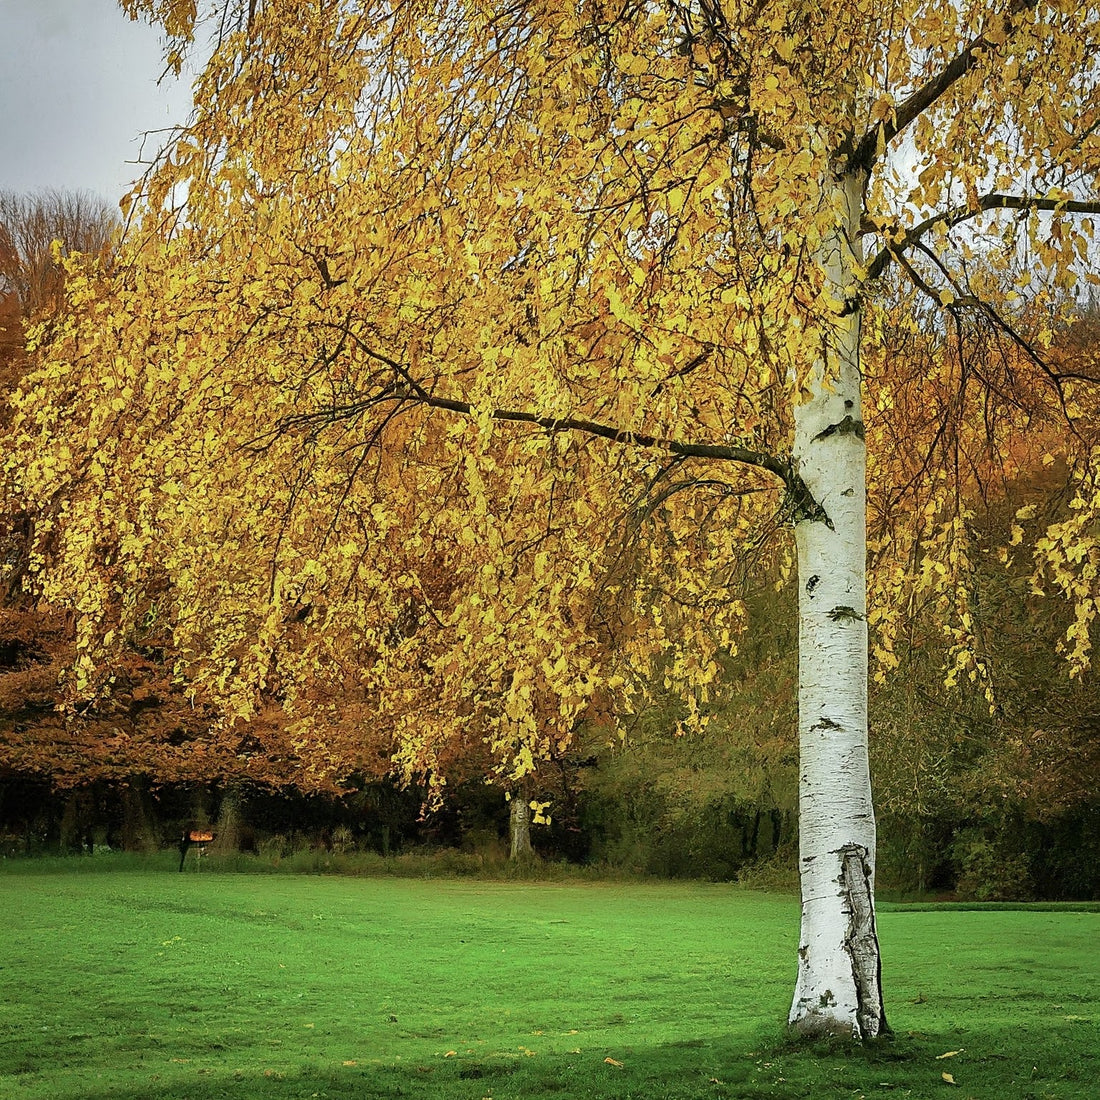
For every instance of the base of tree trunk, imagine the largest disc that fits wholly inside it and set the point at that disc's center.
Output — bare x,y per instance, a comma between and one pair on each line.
849,1003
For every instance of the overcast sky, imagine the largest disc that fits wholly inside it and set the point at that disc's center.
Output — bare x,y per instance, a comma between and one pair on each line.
78,88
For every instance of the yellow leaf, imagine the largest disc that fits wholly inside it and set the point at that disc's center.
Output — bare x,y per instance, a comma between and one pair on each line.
612,1062
949,1054
948,1078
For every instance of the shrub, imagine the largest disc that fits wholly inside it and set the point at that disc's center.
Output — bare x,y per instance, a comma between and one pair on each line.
988,870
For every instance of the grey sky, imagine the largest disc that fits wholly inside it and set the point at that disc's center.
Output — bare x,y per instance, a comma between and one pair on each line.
78,88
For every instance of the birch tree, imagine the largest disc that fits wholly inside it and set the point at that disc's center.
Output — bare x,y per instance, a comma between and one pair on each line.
426,298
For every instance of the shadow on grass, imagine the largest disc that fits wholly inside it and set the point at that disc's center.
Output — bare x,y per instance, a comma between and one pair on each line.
994,1065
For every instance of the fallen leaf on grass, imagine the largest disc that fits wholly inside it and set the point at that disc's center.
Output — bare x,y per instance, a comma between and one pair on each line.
450,1054
949,1054
948,1079
612,1062
350,1062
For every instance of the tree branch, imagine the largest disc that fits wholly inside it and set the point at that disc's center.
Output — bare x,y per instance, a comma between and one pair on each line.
720,451
882,133
959,214
407,391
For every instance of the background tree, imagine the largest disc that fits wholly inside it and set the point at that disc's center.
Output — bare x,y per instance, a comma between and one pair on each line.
37,231
149,728
659,225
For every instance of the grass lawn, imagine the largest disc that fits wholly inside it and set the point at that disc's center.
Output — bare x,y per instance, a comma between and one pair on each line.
157,984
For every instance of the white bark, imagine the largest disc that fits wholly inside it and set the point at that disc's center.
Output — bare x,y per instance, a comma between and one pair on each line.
839,985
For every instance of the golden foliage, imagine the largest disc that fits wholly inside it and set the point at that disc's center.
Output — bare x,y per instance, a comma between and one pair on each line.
280,418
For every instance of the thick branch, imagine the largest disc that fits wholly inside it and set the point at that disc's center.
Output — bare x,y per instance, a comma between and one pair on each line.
959,214
721,451
801,500
802,504
882,133
408,391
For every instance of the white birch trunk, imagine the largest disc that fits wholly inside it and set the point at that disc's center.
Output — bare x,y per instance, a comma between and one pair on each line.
839,983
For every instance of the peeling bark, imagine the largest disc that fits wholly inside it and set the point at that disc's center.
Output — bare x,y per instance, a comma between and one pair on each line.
862,940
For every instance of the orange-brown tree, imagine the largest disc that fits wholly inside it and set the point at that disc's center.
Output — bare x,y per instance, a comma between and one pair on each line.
151,726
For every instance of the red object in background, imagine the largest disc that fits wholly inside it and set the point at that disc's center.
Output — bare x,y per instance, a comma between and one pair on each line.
193,836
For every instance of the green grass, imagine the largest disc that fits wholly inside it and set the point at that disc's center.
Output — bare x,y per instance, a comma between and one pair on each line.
138,984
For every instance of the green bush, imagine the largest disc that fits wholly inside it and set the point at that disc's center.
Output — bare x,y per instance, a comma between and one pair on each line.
988,870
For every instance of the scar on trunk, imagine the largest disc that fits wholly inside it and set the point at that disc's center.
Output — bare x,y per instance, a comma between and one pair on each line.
861,940
848,426
801,504
845,613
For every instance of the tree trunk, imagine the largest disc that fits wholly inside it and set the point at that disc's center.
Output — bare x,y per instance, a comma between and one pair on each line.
754,840
519,820
839,978
227,829
138,832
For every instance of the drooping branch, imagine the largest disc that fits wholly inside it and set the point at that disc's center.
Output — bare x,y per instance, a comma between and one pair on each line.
897,243
416,394
882,133
407,388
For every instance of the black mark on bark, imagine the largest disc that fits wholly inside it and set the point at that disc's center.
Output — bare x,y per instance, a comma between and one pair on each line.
848,426
811,584
825,724
844,613
802,504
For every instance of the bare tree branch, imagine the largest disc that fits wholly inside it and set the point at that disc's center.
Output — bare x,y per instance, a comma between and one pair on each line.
896,245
